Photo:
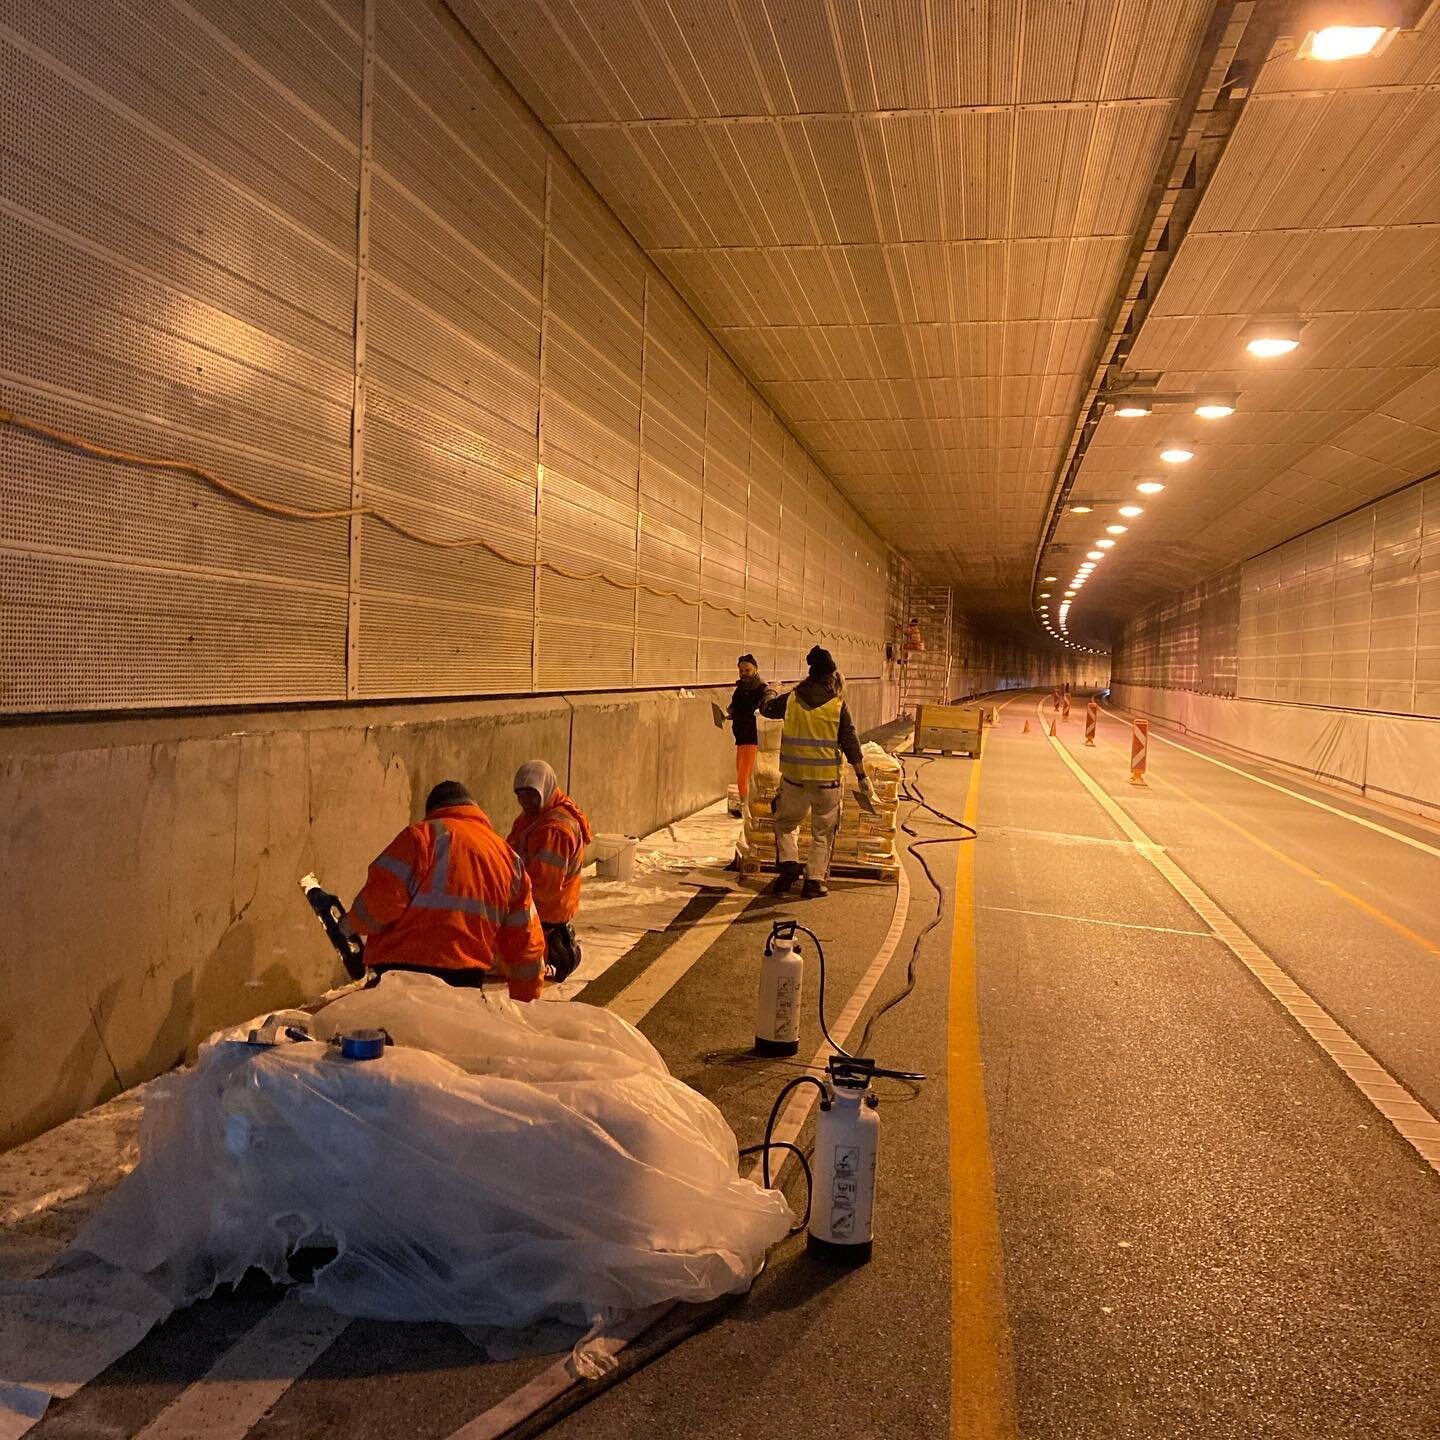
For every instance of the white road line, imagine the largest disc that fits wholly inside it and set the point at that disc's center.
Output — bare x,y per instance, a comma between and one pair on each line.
250,1376
1411,1119
793,1117
1354,819
1090,919
647,989
555,1379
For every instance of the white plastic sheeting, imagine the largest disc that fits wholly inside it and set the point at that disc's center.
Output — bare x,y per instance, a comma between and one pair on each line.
1395,758
530,1162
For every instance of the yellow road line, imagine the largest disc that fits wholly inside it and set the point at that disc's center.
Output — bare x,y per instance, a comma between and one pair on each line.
1300,868
1411,1119
1365,907
982,1367
1410,840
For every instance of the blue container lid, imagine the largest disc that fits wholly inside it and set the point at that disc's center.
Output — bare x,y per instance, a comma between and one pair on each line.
363,1044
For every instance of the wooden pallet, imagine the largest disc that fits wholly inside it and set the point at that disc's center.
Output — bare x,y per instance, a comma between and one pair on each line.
846,870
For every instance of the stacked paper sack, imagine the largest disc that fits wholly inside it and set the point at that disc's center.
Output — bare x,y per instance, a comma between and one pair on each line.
864,839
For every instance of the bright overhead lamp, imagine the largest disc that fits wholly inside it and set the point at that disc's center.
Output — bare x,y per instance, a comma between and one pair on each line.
1150,487
1215,407
1177,455
1265,339
1069,595
1049,579
1094,554
1081,509
1131,511
1116,529
1104,544
1345,42
1044,594
1132,409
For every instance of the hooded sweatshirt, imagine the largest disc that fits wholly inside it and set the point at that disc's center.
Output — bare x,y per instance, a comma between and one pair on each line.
552,844
744,703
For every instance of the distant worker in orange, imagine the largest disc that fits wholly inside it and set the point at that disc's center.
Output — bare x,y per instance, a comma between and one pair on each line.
750,690
448,897
550,835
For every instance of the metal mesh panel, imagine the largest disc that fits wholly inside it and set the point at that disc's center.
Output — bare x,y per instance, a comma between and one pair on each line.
184,275
178,279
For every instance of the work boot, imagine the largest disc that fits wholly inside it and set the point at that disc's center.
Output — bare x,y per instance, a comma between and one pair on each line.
789,873
814,889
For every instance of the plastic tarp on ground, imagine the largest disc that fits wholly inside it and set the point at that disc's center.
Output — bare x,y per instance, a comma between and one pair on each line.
502,1164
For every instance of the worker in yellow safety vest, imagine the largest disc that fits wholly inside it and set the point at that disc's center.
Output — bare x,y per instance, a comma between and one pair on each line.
818,731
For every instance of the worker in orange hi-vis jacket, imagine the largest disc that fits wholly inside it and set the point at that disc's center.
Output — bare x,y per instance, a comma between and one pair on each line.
550,835
448,897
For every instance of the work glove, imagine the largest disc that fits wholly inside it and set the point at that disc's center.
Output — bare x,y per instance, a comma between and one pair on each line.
349,946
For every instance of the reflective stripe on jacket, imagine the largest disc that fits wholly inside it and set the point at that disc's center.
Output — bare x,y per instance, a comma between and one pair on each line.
810,742
450,894
552,845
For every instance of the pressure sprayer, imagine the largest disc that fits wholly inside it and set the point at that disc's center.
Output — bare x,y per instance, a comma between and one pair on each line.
782,970
840,1214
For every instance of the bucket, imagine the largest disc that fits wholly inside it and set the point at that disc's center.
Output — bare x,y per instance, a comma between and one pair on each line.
614,856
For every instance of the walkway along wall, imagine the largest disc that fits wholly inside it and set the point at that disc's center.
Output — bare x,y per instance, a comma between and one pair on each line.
150,885
1322,654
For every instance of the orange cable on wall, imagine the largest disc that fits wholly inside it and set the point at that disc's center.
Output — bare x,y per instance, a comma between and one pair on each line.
294,512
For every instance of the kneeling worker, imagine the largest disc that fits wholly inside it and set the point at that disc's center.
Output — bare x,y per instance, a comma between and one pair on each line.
818,729
448,897
550,835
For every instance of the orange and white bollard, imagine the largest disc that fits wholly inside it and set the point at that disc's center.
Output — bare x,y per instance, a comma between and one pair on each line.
1092,716
1139,751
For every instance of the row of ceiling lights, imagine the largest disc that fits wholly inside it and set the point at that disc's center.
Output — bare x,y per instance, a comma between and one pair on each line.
1264,339
1333,30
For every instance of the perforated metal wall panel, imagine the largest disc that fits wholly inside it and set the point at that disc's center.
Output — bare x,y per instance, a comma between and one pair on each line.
1346,615
177,226
324,254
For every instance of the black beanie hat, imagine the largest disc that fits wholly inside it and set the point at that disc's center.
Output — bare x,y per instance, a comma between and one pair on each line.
448,792
821,662
748,660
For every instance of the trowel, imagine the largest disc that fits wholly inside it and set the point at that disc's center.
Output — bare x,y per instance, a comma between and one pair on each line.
718,715
350,948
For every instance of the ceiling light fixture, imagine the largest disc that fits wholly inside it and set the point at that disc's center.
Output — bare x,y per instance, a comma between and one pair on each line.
1081,509
1345,42
1132,409
1069,595
1049,579
1094,554
1104,544
1150,487
1177,455
1266,339
1116,529
1216,407
1131,511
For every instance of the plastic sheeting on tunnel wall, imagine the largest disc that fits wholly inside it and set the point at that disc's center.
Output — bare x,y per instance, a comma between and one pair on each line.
342,213
1391,757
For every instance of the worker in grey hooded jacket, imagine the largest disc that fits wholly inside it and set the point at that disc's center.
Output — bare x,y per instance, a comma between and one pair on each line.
818,731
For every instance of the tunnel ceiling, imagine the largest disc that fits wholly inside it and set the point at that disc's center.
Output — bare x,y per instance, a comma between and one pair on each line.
915,224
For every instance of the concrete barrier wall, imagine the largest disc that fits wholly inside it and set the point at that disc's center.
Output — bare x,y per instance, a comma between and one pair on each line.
150,866
1392,758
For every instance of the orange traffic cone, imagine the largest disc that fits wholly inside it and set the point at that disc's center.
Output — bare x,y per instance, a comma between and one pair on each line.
1026,730
1052,727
